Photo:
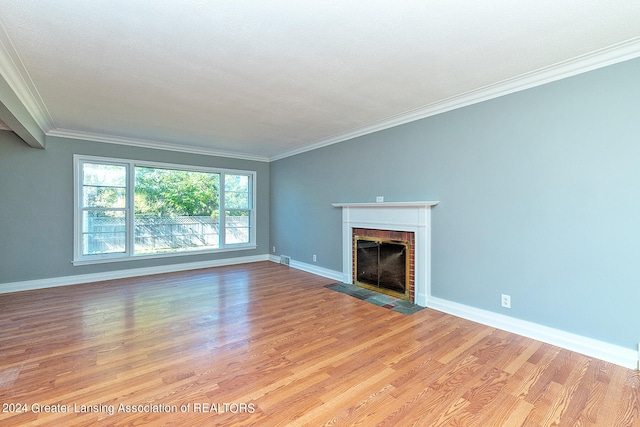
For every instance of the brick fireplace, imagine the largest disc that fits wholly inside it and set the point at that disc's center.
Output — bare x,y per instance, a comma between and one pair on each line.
403,221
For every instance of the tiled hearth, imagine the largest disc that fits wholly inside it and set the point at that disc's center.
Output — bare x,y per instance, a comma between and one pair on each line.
376,298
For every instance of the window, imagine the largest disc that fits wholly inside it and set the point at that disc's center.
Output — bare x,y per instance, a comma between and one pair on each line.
127,209
237,208
104,212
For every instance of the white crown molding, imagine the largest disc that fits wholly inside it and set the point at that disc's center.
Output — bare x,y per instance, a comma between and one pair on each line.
14,72
620,52
17,77
156,145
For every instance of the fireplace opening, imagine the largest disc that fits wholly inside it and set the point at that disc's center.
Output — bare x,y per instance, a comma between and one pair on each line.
382,265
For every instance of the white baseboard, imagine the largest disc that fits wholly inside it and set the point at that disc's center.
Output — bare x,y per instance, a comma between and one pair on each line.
122,274
628,358
274,258
588,346
320,271
618,355
313,269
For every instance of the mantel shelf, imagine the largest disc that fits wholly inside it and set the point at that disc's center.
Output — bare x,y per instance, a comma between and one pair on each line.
385,204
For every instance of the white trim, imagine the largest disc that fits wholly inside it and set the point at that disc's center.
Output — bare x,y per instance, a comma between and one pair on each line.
274,258
154,145
588,346
313,269
385,205
618,355
620,52
112,259
628,358
19,80
29,285
12,69
412,217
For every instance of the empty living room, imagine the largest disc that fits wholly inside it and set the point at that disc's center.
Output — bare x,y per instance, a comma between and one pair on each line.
319,213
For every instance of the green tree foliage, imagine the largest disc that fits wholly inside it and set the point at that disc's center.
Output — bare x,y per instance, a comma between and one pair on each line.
164,192
103,187
236,194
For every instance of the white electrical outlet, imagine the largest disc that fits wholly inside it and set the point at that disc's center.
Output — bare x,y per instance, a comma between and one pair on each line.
314,257
506,301
379,199
274,250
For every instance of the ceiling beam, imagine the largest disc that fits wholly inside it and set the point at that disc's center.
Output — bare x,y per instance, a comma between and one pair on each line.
14,111
16,117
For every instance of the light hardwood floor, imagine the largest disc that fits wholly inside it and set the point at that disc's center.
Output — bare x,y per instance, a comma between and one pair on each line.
266,345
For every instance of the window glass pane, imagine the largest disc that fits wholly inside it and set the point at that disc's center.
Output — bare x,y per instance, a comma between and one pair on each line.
236,200
103,232
104,186
237,226
236,191
104,175
236,182
175,210
104,197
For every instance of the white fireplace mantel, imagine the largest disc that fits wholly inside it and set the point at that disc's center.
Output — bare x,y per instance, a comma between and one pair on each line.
398,216
384,204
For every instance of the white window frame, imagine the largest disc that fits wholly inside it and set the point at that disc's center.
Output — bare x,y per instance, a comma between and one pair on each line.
80,259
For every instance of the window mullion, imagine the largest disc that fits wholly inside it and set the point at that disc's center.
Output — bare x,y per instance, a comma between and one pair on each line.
222,234
130,210
252,208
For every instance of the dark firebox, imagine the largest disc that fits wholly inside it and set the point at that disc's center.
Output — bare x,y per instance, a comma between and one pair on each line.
381,264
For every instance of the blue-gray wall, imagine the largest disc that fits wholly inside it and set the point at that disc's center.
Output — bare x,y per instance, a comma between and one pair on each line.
36,206
539,198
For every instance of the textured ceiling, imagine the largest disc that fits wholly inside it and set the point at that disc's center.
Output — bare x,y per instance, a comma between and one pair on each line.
265,79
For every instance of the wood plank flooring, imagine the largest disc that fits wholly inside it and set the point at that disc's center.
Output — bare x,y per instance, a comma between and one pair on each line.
263,344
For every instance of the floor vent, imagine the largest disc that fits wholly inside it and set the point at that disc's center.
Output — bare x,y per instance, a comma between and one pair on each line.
285,260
